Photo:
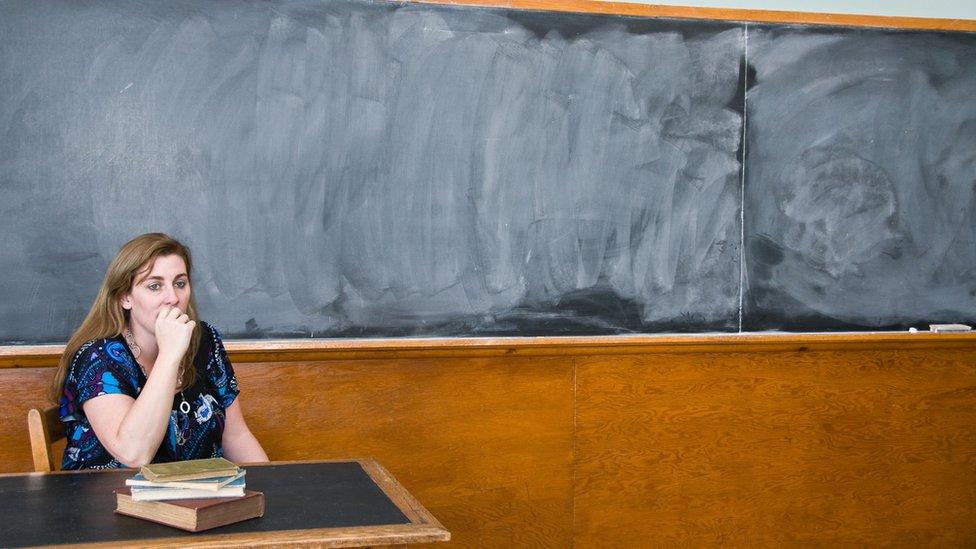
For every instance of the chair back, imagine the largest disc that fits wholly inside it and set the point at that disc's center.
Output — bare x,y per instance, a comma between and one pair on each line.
45,428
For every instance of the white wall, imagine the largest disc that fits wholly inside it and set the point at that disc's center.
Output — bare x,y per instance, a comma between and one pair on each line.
943,9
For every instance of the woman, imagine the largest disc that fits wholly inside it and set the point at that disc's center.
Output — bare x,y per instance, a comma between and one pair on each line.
142,380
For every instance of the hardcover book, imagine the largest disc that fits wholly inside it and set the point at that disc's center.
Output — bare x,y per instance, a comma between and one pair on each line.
193,515
152,493
211,484
189,470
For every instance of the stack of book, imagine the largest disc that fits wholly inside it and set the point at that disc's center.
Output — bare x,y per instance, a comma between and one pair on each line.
193,495
199,478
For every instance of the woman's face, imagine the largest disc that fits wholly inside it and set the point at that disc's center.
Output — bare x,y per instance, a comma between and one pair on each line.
164,283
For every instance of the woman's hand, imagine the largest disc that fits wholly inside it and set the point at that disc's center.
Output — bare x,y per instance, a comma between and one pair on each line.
173,331
132,429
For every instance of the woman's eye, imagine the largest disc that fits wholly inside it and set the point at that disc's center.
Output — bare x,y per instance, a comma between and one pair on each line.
154,287
180,284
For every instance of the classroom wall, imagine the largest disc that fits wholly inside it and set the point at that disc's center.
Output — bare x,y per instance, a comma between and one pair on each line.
948,9
766,440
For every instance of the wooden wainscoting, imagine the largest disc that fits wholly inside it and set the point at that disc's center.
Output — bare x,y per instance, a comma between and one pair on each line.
752,440
485,444
779,448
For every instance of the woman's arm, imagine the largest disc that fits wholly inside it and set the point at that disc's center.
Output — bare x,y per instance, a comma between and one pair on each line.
132,429
239,444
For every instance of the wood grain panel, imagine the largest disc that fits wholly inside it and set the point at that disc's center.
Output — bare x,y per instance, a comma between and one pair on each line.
20,390
756,439
484,444
778,448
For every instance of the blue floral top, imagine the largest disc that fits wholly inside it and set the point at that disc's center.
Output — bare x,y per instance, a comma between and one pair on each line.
107,367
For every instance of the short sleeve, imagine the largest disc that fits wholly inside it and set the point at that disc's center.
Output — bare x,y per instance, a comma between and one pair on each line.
220,372
101,367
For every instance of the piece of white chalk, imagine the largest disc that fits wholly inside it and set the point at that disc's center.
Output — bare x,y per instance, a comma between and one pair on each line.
950,327
913,330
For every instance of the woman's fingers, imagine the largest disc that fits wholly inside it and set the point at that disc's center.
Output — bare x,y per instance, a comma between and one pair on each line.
173,330
173,313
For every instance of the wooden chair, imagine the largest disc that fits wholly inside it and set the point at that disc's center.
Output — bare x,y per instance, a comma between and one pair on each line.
45,428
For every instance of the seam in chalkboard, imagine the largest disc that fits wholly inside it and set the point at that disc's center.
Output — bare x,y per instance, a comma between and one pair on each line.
742,170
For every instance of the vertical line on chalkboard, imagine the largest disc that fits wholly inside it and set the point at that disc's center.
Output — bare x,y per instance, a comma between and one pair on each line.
742,170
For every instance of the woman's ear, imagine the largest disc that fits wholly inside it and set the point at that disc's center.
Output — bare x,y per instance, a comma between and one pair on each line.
126,302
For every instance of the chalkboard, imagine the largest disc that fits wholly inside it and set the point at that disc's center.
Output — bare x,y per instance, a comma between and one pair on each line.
860,193
346,169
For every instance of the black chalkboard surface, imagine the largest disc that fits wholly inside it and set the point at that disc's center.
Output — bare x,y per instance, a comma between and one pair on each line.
378,169
860,179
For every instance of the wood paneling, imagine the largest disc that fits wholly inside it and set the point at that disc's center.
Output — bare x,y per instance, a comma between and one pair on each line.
662,440
727,14
783,448
484,444
20,390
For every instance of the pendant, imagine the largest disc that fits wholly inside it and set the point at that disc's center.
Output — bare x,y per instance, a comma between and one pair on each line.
185,407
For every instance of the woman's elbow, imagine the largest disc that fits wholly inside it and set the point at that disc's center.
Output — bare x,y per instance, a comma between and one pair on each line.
134,463
244,448
133,459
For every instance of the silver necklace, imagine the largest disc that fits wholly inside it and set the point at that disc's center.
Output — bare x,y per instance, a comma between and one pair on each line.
137,350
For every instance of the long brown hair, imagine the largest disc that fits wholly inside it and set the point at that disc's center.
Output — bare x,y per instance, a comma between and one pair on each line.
107,318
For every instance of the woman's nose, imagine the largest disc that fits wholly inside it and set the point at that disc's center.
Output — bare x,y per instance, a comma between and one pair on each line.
169,296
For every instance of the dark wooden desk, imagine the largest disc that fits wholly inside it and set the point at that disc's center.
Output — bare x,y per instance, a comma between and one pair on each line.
323,503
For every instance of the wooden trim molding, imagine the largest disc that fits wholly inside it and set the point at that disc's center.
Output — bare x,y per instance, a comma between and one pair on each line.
720,14
34,356
408,505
